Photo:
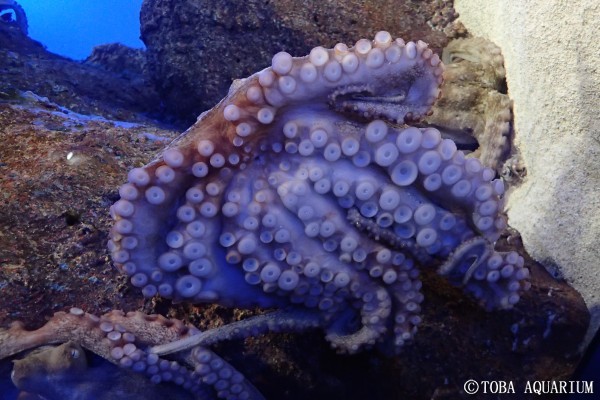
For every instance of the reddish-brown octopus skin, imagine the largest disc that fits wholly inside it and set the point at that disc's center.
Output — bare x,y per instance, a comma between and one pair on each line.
124,339
65,373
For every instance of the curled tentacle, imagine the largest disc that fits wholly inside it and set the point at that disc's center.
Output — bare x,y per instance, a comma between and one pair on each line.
123,339
493,278
296,192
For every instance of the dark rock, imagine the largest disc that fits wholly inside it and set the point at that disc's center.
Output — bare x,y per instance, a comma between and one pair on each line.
197,48
119,59
25,65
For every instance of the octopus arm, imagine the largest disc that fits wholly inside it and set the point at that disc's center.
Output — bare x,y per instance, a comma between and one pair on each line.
303,188
123,339
296,320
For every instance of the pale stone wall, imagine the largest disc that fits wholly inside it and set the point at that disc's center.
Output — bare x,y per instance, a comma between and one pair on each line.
552,57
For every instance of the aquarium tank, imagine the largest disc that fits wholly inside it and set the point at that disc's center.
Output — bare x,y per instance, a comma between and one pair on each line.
264,200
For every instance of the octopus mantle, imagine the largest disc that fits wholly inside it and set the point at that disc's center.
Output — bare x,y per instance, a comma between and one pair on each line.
305,190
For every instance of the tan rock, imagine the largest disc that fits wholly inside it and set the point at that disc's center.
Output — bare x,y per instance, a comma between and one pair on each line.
551,55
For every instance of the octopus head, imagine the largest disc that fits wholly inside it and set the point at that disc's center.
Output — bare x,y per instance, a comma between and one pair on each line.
50,364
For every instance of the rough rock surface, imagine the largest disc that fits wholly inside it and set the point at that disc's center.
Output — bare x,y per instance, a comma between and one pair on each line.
59,173
120,59
90,89
552,74
196,48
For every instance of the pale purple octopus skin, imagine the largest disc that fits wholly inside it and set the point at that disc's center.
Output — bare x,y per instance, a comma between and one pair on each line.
304,190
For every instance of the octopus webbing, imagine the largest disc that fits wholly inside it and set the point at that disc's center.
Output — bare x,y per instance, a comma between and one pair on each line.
123,339
305,190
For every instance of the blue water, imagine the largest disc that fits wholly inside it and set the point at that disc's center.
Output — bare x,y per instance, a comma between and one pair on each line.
72,28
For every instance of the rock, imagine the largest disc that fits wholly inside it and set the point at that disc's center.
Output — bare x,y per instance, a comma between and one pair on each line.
119,59
59,174
197,48
26,65
551,57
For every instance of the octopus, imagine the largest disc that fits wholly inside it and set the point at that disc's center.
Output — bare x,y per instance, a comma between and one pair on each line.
67,372
122,339
474,109
308,191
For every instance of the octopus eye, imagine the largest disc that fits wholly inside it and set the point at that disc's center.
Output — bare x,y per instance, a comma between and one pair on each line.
75,354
